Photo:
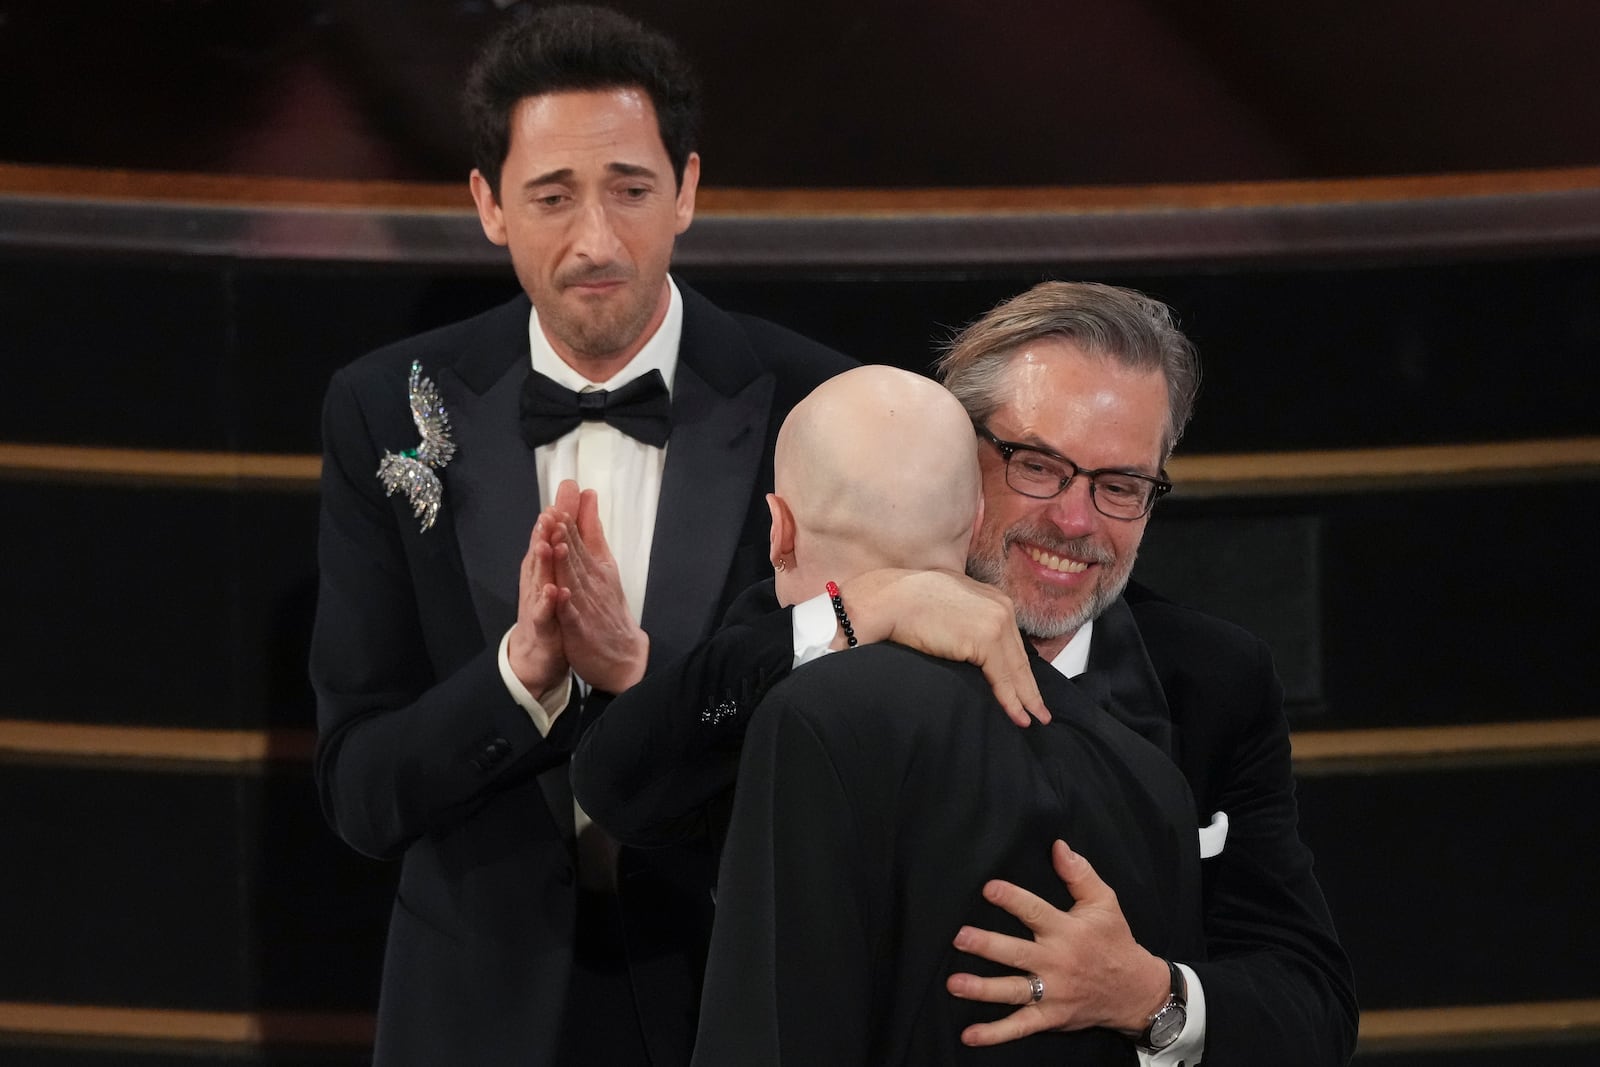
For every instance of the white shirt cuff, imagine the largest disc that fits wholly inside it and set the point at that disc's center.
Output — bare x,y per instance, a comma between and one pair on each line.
542,709
1191,1043
814,628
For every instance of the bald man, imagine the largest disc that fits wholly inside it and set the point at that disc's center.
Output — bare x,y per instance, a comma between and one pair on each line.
880,790
873,469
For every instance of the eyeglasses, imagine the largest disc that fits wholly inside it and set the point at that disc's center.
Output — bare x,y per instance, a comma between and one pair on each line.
1042,474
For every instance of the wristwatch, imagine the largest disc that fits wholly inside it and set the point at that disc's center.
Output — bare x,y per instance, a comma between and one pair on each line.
1167,1024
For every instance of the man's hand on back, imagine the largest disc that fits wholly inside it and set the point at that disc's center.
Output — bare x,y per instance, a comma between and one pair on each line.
1094,973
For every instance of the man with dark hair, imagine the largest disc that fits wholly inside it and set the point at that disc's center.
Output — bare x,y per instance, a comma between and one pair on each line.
586,496
570,49
1079,393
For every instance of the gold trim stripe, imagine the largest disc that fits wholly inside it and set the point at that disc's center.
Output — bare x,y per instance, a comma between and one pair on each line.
79,741
1380,1030
1413,741
1328,752
1418,1028
164,1024
83,183
225,470
1315,751
1204,475
1364,468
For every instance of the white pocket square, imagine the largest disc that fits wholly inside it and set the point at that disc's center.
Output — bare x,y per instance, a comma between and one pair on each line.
1213,837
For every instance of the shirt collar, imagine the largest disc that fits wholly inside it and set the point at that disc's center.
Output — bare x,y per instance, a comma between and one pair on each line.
659,353
1073,660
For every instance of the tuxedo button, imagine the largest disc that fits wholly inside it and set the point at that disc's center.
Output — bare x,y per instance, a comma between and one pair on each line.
492,753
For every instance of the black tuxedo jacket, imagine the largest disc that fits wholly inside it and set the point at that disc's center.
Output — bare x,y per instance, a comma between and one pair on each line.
878,791
423,756
658,766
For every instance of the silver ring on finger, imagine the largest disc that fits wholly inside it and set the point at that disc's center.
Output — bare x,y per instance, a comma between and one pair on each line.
1035,989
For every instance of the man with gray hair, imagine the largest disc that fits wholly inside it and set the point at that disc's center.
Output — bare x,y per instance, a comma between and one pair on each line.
1103,376
1016,351
1079,393
839,886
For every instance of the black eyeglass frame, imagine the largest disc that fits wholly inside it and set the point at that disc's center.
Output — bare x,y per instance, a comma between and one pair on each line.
1160,486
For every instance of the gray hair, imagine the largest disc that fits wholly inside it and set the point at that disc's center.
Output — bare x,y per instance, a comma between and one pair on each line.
1104,320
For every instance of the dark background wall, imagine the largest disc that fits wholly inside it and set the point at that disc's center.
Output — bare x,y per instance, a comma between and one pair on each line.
838,93
173,883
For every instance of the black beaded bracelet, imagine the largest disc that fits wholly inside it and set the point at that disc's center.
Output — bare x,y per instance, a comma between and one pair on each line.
838,611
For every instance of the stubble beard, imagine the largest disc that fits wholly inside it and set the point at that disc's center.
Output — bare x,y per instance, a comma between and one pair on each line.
1038,613
602,331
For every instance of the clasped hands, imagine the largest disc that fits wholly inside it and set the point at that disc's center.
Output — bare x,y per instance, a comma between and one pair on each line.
571,610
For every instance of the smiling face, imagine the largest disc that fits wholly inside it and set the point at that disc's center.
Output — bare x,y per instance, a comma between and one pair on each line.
589,207
1061,561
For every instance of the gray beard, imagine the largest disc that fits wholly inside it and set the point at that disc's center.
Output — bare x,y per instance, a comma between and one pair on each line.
1034,621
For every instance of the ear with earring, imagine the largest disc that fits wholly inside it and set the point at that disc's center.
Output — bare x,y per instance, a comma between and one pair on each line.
779,565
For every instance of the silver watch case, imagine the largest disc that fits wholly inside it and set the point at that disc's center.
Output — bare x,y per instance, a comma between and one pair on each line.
1167,1024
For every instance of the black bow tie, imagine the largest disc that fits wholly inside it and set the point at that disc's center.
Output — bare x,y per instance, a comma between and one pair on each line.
641,409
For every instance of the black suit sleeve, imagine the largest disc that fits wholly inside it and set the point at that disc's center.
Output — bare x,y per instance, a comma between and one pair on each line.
656,764
791,976
1277,983
414,728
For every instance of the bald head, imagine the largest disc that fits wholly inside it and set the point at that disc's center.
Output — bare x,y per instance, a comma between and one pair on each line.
876,468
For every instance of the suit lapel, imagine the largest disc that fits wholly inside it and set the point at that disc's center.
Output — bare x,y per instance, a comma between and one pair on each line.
492,486
721,407
1122,680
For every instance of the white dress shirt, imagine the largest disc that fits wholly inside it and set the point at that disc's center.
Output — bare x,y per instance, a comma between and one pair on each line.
625,474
